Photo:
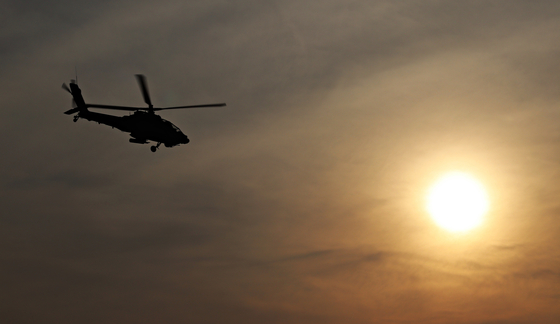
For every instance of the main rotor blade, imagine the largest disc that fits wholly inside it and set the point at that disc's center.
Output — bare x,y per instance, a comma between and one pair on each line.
65,87
115,107
144,87
194,106
154,109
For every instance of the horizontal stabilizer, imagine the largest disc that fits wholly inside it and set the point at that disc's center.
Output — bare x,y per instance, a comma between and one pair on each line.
72,111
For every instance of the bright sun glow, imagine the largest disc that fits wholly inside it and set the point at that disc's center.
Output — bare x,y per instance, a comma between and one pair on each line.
457,202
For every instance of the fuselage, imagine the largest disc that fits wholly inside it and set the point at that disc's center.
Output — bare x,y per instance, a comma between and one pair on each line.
142,126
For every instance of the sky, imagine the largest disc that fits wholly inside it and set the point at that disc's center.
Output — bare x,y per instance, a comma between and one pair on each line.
303,200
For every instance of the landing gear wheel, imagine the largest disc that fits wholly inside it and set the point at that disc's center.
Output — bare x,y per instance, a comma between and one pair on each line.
155,147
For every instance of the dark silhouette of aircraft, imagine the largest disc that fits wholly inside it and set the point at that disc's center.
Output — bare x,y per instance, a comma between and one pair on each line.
143,125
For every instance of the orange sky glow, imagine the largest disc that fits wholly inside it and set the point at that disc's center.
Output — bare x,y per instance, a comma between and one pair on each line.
302,201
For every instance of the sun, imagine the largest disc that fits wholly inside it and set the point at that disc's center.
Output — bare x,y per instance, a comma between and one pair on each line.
457,202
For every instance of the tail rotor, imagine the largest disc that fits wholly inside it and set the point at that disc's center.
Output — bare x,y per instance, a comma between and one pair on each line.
78,102
65,87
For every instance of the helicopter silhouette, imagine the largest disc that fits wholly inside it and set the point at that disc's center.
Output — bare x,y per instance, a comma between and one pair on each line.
143,125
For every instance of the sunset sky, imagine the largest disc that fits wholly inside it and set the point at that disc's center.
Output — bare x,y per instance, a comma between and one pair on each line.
303,200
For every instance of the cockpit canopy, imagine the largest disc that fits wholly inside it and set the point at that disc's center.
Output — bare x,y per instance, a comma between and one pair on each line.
175,128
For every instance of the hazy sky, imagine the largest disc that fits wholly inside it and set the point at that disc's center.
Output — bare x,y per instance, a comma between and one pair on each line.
303,200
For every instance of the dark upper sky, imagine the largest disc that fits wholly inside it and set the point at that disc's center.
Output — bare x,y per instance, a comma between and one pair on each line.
303,200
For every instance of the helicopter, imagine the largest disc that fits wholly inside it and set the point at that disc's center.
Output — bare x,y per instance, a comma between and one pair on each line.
143,124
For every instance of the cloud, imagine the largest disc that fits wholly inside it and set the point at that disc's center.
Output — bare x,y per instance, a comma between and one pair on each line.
300,201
